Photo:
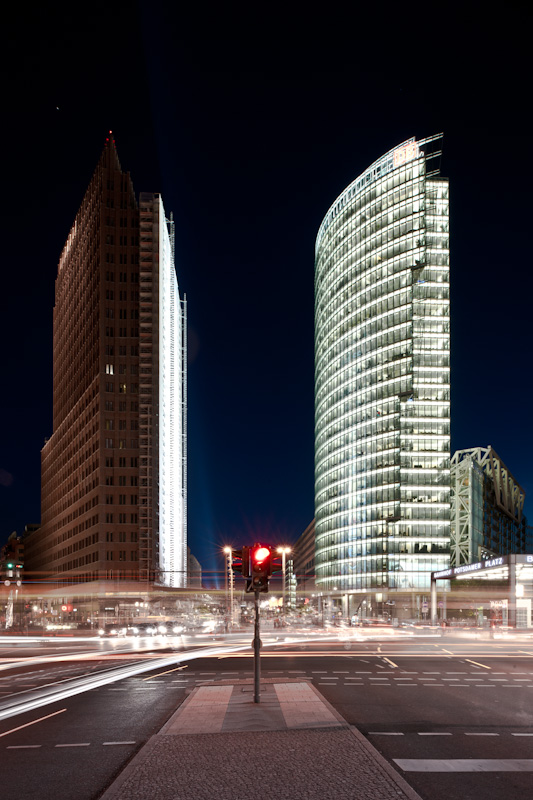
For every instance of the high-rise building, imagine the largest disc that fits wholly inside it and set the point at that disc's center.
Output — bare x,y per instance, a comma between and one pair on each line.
487,508
382,377
114,469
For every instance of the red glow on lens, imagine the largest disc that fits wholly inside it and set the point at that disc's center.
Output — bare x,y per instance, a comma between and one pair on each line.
261,553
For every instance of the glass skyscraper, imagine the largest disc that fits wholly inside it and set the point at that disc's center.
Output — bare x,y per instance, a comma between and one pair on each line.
382,377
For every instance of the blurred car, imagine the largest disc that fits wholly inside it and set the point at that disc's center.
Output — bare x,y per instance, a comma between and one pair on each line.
112,630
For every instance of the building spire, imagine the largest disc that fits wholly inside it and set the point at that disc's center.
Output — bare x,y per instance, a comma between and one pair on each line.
110,155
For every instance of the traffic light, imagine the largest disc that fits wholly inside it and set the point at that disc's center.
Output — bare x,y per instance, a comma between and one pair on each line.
241,561
261,568
10,565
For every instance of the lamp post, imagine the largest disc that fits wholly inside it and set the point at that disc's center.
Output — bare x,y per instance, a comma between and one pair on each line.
229,577
283,551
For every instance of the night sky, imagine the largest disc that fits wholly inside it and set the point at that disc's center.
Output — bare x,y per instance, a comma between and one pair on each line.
250,121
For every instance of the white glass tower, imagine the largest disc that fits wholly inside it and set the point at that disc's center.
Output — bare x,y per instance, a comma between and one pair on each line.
162,403
382,380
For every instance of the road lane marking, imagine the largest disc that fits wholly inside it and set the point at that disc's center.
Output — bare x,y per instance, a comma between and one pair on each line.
434,734
111,743
446,651
75,744
482,734
477,663
465,764
390,662
384,733
33,722
23,746
522,734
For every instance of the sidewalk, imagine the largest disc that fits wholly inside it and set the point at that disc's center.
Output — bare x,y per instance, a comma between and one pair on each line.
220,745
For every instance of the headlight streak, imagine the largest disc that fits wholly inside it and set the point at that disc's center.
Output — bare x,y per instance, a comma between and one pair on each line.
78,686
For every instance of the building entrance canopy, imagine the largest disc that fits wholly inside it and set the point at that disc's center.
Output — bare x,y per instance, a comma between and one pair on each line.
517,570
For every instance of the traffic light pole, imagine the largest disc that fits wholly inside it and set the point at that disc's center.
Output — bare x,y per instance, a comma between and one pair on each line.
257,652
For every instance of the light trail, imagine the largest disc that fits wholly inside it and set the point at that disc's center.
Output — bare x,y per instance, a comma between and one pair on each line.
86,684
478,664
33,722
165,673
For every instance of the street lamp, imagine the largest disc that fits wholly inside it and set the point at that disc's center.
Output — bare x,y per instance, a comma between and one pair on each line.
229,576
283,551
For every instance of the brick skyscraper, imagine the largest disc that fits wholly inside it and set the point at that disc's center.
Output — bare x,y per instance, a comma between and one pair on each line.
114,469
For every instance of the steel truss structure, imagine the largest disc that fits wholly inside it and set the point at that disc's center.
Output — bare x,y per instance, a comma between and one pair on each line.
470,536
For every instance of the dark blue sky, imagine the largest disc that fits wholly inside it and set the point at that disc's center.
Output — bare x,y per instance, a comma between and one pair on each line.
250,124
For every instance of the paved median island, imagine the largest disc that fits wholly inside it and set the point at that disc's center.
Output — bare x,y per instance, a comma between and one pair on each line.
220,744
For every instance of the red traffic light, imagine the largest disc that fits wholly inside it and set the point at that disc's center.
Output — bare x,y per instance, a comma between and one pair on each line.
260,554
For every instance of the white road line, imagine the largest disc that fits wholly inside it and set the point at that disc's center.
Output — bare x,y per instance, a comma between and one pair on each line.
434,734
110,743
75,744
23,746
482,734
522,734
465,764
384,733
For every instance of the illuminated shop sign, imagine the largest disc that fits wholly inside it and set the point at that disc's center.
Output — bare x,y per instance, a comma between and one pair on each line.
466,568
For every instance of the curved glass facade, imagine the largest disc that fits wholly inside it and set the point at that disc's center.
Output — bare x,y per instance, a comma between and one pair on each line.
382,378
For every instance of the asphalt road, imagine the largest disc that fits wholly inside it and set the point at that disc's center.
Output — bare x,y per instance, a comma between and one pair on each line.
419,701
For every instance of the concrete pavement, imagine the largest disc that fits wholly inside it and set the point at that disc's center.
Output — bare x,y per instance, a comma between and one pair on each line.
220,745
